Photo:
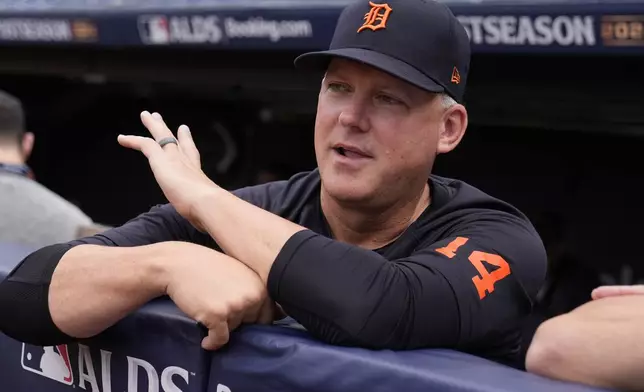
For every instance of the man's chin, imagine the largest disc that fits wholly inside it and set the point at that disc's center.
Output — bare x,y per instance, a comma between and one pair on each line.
346,191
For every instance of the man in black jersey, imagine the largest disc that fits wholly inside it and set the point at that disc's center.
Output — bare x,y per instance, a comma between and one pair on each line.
369,249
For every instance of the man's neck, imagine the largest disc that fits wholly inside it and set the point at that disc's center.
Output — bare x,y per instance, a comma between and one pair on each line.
10,156
375,228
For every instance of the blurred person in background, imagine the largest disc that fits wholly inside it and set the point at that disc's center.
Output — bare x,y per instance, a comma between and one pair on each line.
599,343
31,214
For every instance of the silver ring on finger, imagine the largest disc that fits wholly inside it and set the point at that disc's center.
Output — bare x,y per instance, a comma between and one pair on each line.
168,140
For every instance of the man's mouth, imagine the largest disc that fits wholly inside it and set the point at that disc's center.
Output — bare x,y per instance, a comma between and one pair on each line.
350,152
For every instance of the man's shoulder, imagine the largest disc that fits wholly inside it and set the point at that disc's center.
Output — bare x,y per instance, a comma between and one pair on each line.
460,188
475,221
454,196
463,210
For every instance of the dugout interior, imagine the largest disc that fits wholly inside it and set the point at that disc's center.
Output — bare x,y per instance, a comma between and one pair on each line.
558,136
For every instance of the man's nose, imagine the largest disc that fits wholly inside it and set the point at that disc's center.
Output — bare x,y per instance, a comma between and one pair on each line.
355,116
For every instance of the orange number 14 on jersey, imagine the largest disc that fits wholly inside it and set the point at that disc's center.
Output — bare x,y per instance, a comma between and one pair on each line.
486,280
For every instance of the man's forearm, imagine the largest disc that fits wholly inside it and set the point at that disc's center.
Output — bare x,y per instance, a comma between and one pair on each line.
599,343
93,287
244,231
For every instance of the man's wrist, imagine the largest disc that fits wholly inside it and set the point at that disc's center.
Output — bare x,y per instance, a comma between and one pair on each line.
156,267
204,205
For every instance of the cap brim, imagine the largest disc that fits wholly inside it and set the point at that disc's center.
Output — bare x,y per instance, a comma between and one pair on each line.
320,61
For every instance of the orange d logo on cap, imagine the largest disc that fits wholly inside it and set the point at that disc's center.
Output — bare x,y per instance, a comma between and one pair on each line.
377,17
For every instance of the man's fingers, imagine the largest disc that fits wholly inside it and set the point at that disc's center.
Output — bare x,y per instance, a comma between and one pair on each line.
613,291
157,127
147,146
218,335
235,321
267,313
187,145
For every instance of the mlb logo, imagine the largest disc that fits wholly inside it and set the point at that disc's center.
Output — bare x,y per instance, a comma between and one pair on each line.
50,361
154,29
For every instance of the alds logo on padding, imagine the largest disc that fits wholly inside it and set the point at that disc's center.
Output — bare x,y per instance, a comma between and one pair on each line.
377,17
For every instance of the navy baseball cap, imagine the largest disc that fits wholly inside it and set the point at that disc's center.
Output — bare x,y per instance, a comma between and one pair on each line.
419,41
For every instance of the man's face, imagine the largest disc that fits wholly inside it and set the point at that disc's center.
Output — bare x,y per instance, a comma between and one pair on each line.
376,136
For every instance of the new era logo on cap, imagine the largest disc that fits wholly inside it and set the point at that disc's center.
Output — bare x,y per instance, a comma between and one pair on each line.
456,76
377,17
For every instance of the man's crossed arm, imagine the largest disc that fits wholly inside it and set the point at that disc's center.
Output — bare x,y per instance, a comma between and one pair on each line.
600,343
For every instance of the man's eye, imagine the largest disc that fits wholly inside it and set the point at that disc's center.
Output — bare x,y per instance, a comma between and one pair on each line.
338,87
389,100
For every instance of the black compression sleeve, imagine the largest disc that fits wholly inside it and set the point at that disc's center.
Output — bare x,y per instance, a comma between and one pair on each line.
347,295
443,294
24,305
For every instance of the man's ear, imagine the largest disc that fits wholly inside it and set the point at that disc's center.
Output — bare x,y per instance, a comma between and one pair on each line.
27,145
454,125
